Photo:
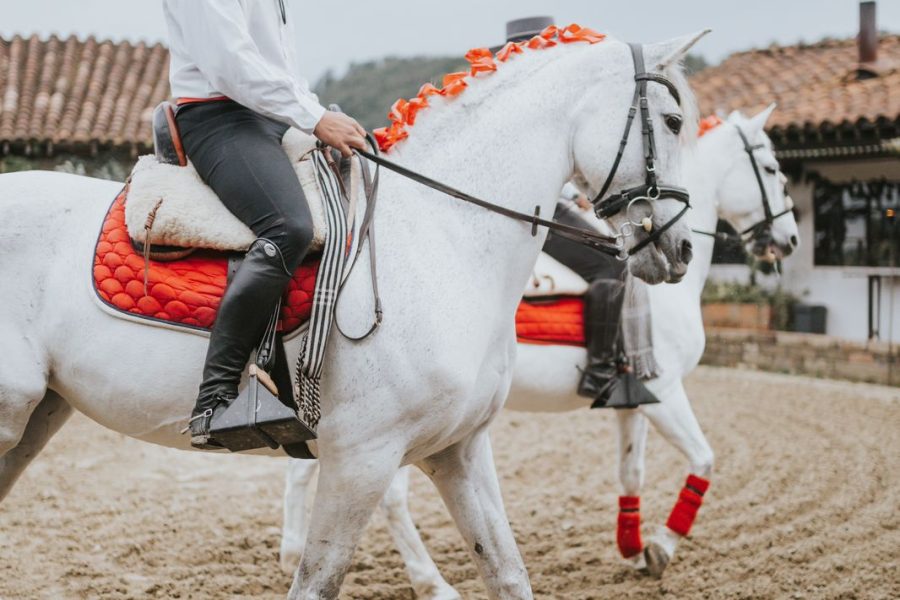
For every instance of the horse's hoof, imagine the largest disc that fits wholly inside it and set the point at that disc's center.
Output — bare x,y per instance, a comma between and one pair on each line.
657,559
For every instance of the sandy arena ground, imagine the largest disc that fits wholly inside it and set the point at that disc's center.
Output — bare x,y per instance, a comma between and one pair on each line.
805,503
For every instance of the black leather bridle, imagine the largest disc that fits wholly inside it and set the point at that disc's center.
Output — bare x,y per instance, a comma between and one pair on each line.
651,190
604,207
761,230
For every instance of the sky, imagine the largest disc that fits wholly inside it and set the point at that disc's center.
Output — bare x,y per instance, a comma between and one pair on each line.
336,33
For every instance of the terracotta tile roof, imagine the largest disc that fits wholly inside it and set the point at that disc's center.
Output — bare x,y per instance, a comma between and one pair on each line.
815,86
79,95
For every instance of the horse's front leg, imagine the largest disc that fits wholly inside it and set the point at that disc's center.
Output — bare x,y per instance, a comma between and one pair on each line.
632,447
467,480
674,419
423,573
349,489
299,490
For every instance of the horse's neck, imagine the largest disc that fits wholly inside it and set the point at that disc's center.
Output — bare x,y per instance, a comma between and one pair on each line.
704,168
505,140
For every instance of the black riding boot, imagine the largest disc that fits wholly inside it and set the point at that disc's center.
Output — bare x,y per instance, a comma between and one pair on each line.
608,378
602,314
245,310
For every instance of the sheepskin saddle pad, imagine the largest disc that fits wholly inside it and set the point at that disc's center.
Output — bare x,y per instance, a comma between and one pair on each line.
172,206
183,293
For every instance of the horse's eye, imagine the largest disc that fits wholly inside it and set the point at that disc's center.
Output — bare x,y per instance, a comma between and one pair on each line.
673,122
771,170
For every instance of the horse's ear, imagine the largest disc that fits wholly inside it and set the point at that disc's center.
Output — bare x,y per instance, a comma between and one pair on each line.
665,54
758,122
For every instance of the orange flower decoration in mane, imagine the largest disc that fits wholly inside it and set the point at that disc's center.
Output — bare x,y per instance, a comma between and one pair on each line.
708,124
483,62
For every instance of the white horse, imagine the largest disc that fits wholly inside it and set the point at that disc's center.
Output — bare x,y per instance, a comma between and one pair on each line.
723,185
425,387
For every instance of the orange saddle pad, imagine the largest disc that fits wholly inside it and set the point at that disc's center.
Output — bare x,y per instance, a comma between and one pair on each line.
184,292
557,321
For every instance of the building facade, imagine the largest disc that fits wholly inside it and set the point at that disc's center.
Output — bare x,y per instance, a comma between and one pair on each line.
836,131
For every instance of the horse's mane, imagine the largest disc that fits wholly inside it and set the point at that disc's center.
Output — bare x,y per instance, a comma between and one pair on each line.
483,62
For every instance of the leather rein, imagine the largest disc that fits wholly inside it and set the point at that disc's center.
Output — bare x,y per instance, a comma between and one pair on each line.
760,228
603,207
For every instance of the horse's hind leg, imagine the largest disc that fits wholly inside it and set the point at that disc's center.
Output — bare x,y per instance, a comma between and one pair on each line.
43,423
674,419
299,490
467,480
423,573
632,447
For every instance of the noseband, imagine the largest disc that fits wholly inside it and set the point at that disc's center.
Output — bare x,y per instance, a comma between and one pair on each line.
651,190
760,229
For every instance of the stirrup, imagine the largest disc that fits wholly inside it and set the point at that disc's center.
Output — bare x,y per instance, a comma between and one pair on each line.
258,419
624,391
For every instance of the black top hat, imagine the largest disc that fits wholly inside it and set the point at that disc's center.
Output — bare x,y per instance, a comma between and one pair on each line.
520,30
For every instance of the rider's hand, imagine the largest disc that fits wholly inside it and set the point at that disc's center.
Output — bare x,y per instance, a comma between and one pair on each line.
340,132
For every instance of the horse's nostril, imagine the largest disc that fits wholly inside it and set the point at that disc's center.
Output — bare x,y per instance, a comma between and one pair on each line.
794,241
687,251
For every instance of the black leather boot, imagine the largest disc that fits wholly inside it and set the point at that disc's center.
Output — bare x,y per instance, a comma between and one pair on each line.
244,312
602,314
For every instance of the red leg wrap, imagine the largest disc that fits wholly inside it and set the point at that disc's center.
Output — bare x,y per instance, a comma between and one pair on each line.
628,535
689,501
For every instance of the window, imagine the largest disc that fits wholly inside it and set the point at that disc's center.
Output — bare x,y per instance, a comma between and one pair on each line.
856,223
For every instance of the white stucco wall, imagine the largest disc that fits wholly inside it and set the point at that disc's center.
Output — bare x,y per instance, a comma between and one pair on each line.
842,290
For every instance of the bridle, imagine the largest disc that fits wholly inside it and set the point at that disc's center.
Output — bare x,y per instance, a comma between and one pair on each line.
761,230
603,207
651,190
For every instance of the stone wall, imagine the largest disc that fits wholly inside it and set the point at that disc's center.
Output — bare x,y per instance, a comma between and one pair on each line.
803,354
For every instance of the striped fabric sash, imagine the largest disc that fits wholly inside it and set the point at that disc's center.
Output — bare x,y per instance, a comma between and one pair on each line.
328,283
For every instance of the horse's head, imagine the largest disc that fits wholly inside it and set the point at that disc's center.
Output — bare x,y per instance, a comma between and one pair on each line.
754,200
638,187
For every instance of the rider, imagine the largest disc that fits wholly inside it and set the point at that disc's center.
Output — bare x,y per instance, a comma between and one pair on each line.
233,70
603,305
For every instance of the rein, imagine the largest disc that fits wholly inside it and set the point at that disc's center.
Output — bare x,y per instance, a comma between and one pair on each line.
611,245
603,207
759,228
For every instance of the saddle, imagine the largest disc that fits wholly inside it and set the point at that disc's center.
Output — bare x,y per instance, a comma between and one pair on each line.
168,246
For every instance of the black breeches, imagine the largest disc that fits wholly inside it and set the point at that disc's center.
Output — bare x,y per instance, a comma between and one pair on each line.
238,153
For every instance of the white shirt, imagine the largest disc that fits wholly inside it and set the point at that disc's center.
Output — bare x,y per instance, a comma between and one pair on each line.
241,49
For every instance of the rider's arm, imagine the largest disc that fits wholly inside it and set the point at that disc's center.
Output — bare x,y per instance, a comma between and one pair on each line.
216,37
